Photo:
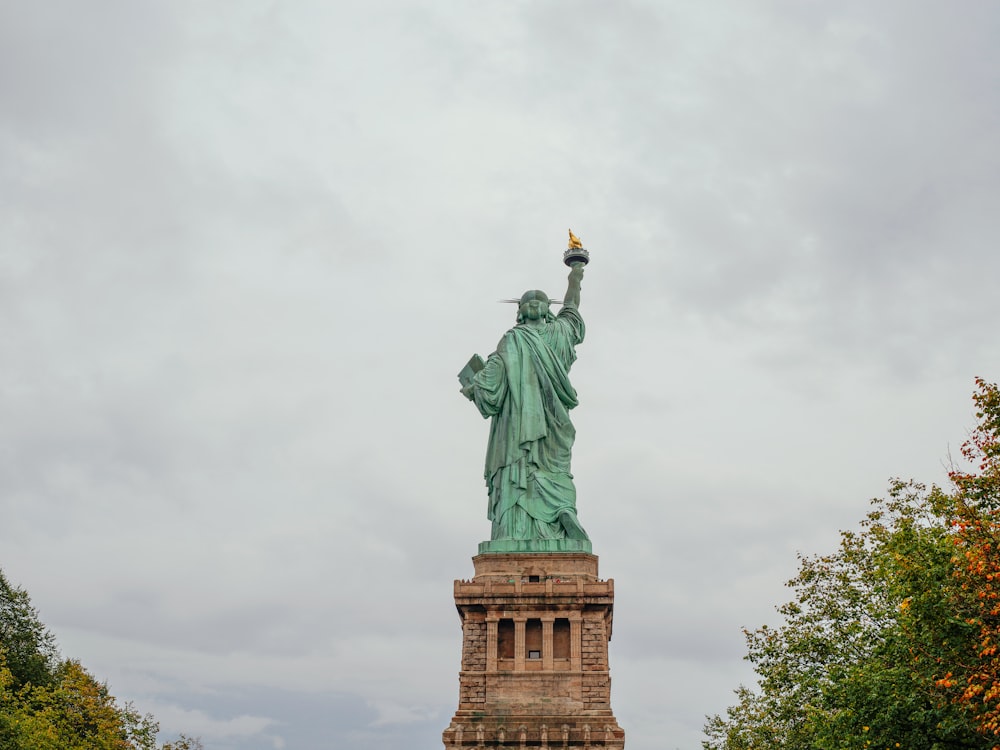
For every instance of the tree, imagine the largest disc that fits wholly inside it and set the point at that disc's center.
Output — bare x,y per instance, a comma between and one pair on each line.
28,648
75,712
184,743
976,519
78,713
865,643
894,639
51,704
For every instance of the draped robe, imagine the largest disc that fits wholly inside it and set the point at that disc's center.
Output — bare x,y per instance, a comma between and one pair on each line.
525,389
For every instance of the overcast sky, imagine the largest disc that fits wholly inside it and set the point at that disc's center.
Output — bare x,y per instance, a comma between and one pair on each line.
246,246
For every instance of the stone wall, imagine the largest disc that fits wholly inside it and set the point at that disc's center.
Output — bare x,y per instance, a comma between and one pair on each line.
527,697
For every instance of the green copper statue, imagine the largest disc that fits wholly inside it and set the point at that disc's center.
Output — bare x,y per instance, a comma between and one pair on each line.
524,388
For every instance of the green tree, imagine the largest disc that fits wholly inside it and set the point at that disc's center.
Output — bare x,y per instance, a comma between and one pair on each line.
75,712
51,704
184,743
28,648
865,645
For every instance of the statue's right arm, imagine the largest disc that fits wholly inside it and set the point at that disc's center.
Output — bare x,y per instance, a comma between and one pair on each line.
572,297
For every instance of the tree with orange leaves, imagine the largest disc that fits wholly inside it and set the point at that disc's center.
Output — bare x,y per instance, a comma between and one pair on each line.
868,650
976,522
893,640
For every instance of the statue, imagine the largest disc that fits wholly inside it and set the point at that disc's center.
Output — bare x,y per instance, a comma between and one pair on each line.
524,388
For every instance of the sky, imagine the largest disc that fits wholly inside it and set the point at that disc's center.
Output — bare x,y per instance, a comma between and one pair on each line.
245,247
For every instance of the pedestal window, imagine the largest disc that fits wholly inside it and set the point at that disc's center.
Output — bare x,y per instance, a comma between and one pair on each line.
560,638
505,639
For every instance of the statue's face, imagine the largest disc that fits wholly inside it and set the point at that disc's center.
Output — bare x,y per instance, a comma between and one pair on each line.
534,305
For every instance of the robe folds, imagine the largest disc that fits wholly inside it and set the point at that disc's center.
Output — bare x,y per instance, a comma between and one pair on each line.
525,389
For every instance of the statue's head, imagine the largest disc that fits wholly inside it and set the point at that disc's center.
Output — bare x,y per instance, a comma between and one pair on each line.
534,305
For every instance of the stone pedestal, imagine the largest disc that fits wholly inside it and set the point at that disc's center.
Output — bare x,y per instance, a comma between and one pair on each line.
535,632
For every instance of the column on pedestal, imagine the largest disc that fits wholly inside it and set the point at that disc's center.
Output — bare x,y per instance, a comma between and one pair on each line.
548,643
575,642
491,643
519,624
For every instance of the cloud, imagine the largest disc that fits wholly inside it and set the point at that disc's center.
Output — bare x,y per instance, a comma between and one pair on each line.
197,723
244,253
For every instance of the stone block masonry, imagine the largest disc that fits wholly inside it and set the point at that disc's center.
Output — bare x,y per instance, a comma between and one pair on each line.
534,668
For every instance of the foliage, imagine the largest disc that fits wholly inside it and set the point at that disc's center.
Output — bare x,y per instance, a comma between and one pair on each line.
75,713
893,640
976,519
864,643
52,704
29,649
184,743
897,690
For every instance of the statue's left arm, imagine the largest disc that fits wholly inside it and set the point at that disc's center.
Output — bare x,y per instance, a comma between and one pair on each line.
572,297
489,387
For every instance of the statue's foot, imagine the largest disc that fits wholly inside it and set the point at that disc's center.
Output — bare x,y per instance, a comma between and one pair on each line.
572,526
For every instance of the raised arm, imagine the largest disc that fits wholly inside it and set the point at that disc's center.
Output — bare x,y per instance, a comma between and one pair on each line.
572,297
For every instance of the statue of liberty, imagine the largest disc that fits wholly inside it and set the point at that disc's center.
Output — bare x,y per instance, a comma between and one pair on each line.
524,388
